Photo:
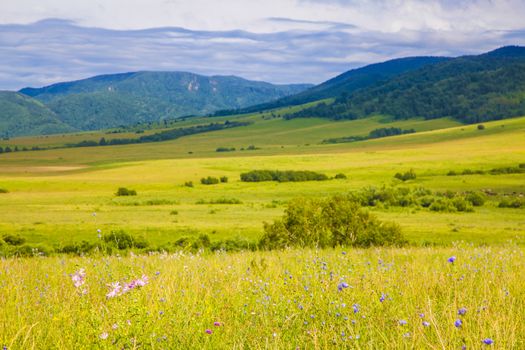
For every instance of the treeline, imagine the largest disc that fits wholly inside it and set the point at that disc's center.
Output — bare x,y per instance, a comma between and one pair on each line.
374,134
163,135
469,89
282,176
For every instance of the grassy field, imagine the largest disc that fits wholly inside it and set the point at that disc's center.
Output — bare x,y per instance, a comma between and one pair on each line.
53,194
359,299
464,290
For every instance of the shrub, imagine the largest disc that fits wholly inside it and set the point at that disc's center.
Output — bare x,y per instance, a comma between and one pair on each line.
220,201
477,199
123,191
461,204
442,205
340,176
188,184
14,240
481,127
409,175
174,212
282,176
3,190
209,180
225,149
122,240
339,220
511,203
224,179
452,173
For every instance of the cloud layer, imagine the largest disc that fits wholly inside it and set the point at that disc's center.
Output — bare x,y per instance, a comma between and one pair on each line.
280,41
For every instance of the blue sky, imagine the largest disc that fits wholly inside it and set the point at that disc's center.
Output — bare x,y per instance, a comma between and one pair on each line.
280,41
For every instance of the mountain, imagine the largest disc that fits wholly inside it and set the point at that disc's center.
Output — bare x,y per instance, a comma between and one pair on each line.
123,99
348,82
470,89
23,115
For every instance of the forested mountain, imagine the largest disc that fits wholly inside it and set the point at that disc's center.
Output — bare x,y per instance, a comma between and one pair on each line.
348,82
469,88
128,98
22,115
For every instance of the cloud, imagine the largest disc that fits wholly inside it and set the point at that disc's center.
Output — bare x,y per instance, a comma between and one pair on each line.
280,41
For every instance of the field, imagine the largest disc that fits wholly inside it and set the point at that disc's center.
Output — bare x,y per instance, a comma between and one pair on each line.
278,299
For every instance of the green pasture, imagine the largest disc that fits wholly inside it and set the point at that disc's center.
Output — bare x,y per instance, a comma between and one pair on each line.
54,194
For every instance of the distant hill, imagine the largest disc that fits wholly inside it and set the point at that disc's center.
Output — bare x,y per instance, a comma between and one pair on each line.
123,99
22,115
348,82
470,89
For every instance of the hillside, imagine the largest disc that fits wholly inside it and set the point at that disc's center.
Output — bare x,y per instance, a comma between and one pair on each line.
470,89
129,98
22,115
349,81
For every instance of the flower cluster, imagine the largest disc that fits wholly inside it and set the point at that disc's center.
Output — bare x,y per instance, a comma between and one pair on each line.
118,289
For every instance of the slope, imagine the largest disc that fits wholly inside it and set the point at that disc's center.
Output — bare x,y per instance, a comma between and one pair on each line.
23,115
129,98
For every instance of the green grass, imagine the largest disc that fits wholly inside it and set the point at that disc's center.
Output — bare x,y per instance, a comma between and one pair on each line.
276,300
52,194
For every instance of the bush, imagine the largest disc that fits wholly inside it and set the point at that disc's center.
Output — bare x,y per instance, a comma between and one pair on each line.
123,191
188,184
481,127
340,176
14,240
409,175
442,205
477,199
511,203
224,179
209,180
220,201
225,149
3,190
282,176
122,240
339,220
461,204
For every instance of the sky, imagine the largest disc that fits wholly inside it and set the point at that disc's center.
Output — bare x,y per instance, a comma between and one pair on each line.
280,41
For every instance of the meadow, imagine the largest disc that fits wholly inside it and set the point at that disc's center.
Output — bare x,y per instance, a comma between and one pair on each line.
405,297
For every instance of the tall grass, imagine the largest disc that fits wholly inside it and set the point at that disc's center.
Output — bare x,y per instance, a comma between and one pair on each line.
385,298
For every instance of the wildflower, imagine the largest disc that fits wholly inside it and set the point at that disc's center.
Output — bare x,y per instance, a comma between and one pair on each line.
115,326
402,322
216,324
407,335
382,298
78,278
209,331
342,286
104,336
451,259
115,291
99,230
355,307
422,315
426,324
462,311
488,341
458,323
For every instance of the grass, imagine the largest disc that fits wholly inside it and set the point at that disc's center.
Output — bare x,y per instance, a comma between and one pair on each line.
278,299
287,299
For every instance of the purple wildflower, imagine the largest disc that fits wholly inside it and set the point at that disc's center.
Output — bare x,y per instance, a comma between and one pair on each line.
402,322
488,341
382,298
78,278
462,311
355,307
426,324
104,336
451,259
209,331
422,315
217,324
458,323
342,286
115,290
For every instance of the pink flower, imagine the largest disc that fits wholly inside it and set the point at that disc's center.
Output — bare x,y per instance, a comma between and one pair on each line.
78,278
115,291
217,324
209,331
104,336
